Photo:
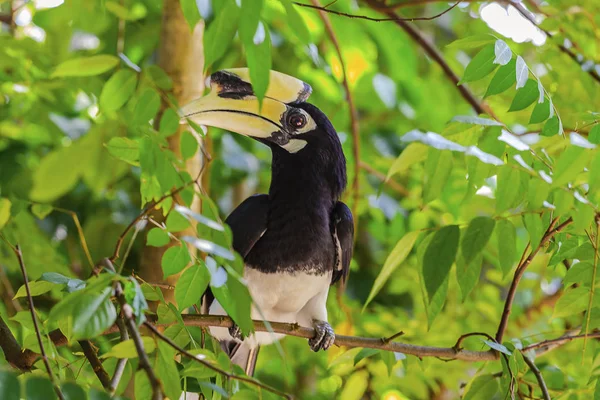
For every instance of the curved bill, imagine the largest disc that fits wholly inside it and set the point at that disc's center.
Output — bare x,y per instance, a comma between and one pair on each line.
231,103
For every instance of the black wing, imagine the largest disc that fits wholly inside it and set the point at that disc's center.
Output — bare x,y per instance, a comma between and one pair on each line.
248,223
342,229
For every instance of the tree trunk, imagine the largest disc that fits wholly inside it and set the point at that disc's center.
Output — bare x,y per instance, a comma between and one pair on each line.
181,56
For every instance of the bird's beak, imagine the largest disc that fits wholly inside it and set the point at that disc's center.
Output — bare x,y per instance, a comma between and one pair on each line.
232,105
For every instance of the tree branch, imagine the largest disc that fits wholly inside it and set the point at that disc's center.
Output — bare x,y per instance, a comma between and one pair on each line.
129,319
381,176
211,366
550,232
354,127
120,368
92,357
538,376
394,18
19,254
12,349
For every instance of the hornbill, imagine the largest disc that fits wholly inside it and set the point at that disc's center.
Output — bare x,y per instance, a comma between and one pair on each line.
296,240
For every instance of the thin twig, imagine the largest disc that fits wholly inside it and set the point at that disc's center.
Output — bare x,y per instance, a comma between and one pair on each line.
414,3
550,232
550,344
435,54
92,357
129,319
354,126
381,176
120,368
212,367
19,254
395,18
538,376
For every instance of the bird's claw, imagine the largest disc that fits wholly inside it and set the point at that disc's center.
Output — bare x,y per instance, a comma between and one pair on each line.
236,332
324,336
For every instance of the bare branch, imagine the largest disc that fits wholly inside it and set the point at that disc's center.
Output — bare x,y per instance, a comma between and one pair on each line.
395,18
550,344
538,376
92,357
381,176
211,366
354,127
550,232
129,319
120,368
19,254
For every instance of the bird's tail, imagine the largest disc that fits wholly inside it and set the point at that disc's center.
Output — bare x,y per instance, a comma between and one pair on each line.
242,354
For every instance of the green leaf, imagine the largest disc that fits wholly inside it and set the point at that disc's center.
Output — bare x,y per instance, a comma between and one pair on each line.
483,387
439,257
86,313
507,244
525,96
437,170
476,237
56,174
142,386
190,12
468,274
481,65
159,77
258,57
521,72
537,192
146,107
41,211
502,52
188,145
72,391
580,273
572,302
551,127
166,369
175,259
220,33
190,286
497,347
5,205
39,388
535,227
594,135
571,162
117,90
127,349
73,284
10,389
86,66
124,149
506,192
169,123
503,79
251,10
472,42
414,153
294,18
563,201
594,175
36,288
540,113
157,237
395,258
176,222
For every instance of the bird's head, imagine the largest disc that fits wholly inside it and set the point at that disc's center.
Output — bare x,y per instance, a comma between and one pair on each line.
284,120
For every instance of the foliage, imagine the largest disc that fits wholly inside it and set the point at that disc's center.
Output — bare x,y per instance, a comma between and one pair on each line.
453,207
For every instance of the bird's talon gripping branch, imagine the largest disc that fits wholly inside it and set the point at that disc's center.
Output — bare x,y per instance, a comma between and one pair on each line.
324,336
236,332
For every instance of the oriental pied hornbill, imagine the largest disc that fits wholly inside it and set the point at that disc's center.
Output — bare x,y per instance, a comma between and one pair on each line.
297,240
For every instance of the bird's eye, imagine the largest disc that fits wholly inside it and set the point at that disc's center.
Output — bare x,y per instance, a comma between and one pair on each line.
297,120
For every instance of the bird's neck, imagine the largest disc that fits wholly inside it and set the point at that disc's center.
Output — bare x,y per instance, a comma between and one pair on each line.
309,182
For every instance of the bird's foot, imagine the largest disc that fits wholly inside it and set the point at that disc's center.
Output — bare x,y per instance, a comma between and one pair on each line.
324,336
236,332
